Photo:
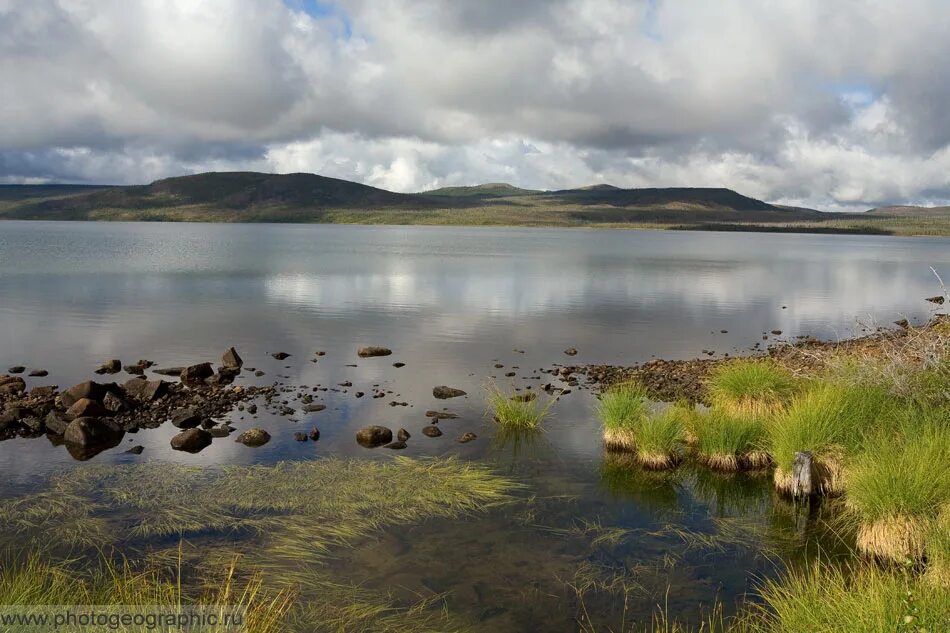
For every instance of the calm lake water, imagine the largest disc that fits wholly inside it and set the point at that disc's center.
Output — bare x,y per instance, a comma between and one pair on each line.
451,303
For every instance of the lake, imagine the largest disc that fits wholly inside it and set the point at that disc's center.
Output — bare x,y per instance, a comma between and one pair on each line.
452,303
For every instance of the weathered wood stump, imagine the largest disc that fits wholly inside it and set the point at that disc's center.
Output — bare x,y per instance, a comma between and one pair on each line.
802,485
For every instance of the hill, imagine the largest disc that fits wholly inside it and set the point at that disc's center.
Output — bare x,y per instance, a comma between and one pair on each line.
488,190
910,211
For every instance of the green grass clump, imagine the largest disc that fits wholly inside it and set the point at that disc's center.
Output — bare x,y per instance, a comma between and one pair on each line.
659,438
828,420
827,598
752,387
621,409
725,442
937,543
895,486
523,411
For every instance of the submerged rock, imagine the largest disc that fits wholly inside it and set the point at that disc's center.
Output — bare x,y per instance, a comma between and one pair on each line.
113,366
467,437
191,440
136,450
86,432
402,435
441,415
432,431
571,351
396,446
372,351
373,436
17,369
443,392
254,437
398,365
314,408
39,373
168,371
280,355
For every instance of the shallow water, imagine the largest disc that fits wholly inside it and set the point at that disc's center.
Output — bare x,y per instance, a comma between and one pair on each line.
451,303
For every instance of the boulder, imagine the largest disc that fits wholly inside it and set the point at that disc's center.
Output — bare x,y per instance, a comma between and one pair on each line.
168,371
44,391
402,435
115,403
373,436
432,431
12,384
314,408
197,374
222,430
231,359
7,421
88,389
372,351
39,373
87,432
56,422
444,393
17,369
145,390
254,437
113,366
467,437
33,424
186,418
191,440
86,408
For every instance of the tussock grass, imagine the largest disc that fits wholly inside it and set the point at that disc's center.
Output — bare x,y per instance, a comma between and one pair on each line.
621,409
725,441
824,597
751,387
514,412
828,419
659,437
938,550
897,484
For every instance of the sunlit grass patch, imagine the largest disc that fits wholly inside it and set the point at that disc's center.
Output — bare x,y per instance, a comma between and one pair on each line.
896,484
751,387
828,420
659,439
523,411
937,543
621,408
725,442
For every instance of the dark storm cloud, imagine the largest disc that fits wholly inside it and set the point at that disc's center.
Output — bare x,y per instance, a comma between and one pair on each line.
805,102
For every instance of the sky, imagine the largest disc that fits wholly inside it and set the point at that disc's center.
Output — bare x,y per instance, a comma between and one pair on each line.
834,105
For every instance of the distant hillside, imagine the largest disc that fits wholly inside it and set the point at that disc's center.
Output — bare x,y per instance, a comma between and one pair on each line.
909,210
257,197
488,190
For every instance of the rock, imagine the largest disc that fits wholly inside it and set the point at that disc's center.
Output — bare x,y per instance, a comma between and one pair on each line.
371,351
44,391
145,390
89,390
168,371
467,437
207,424
231,359
56,422
444,393
904,323
402,435
373,436
91,432
115,404
17,369
138,370
524,397
252,409
300,437
86,408
191,440
39,373
396,446
777,332
442,415
113,366
33,423
431,431
196,374
510,374
259,373
398,365
136,450
938,299
314,408
280,355
12,384
314,434
571,351
186,418
222,430
254,437
7,421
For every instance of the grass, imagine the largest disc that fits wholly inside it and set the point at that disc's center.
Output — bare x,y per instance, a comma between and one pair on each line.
938,549
659,438
621,409
522,411
751,387
827,419
727,442
894,486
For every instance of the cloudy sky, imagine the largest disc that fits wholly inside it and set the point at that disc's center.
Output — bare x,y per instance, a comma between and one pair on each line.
837,105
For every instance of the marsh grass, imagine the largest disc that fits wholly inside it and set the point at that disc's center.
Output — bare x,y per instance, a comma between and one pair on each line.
751,387
518,412
725,441
829,419
897,484
659,438
621,409
938,549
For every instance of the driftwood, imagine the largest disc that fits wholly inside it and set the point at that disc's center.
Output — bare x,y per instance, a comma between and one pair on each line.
802,485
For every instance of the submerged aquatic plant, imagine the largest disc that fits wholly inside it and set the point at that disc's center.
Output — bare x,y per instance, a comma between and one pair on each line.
725,442
827,420
751,387
896,485
523,411
621,408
